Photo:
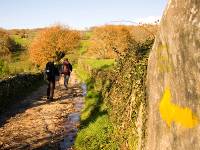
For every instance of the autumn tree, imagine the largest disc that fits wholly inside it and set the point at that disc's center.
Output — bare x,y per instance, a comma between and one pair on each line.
143,32
6,44
53,41
110,41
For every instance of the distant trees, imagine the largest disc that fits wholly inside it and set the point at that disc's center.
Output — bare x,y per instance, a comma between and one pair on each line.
143,32
22,33
110,41
53,41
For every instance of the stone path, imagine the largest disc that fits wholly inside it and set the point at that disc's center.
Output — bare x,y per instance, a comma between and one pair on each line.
36,123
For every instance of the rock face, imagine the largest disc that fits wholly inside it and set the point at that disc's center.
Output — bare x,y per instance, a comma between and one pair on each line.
173,79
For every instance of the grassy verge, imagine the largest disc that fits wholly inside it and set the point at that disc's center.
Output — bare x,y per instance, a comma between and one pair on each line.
100,63
83,46
85,67
95,130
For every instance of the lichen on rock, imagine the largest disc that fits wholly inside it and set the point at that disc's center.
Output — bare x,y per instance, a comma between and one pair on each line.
173,79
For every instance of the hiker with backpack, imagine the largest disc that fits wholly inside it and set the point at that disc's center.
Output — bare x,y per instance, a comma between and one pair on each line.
51,72
66,71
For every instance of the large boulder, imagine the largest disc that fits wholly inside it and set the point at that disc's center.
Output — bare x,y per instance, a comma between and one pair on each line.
173,79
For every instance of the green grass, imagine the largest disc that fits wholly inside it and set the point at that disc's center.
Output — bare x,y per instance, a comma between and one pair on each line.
88,34
84,44
3,68
20,64
96,136
22,41
96,130
100,63
19,61
84,74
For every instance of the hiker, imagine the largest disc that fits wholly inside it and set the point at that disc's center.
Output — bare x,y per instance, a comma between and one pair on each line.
66,71
51,72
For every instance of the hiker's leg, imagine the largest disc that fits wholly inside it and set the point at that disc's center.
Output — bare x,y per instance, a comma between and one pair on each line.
48,90
65,83
52,87
58,81
67,79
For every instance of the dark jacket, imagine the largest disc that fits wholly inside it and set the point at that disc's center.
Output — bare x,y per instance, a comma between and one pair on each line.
51,71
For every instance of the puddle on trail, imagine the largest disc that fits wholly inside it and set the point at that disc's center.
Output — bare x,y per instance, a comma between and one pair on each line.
73,122
84,89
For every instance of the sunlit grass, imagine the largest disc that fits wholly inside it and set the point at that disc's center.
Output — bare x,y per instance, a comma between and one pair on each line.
96,129
22,41
84,44
20,63
82,71
99,63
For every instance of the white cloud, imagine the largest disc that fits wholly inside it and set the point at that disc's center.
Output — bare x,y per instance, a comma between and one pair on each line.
150,19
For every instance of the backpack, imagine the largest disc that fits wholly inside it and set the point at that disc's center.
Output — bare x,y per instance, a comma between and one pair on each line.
49,71
66,69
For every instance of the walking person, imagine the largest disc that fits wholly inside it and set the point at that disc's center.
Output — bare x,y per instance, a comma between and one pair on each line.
66,71
51,72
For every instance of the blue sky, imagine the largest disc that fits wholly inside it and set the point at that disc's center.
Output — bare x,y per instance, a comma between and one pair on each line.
76,13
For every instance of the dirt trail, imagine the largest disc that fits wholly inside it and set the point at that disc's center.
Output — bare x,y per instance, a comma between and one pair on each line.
36,123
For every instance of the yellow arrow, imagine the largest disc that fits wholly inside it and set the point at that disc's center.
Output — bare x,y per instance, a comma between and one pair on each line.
173,113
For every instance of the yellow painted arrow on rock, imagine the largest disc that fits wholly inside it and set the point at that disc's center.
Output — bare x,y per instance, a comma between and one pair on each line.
172,113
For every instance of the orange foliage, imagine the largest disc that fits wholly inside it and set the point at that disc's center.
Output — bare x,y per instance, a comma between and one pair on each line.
110,41
50,41
5,44
143,32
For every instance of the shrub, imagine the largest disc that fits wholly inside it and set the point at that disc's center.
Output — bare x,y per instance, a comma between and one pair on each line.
142,32
111,41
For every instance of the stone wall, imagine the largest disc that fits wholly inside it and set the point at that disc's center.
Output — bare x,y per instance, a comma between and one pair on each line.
16,86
